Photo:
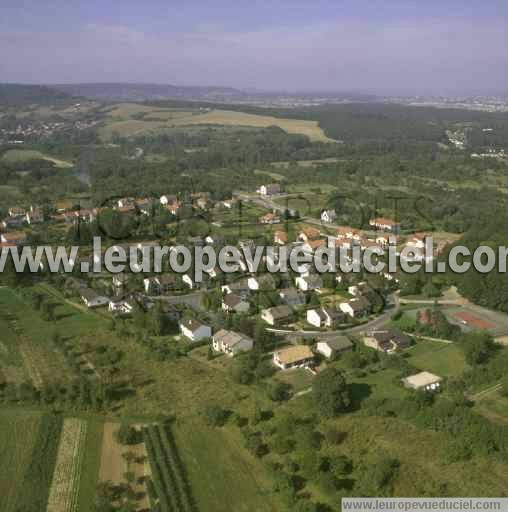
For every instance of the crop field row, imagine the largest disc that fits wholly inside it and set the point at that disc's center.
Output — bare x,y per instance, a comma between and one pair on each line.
34,489
170,489
65,485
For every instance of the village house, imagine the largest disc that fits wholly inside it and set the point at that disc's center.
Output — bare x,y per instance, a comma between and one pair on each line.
369,244
292,297
160,285
311,246
13,222
240,287
231,343
277,315
83,215
63,205
423,381
233,303
92,299
188,279
215,240
13,238
324,317
357,307
229,203
126,203
298,356
34,216
269,218
385,224
308,283
17,211
388,340
121,306
280,237
120,280
349,233
330,347
328,216
356,290
262,282
417,240
194,330
270,190
146,205
309,233
168,199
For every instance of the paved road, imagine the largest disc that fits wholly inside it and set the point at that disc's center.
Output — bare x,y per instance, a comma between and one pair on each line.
393,305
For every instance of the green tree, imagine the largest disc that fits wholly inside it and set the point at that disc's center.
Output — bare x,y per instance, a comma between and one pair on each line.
330,392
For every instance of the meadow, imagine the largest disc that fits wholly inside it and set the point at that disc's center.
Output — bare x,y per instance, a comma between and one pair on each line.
129,119
14,156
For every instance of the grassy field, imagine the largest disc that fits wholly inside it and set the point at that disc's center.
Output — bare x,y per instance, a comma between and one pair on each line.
26,155
128,119
424,469
18,434
446,360
223,475
299,379
494,407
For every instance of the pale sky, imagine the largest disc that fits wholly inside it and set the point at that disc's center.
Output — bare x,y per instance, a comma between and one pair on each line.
384,47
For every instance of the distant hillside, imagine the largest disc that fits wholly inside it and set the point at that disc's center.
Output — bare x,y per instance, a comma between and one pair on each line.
17,95
140,92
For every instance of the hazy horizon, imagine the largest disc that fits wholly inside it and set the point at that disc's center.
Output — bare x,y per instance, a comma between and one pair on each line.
402,48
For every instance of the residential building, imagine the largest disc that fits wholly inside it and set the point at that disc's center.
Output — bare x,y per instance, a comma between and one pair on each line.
324,317
277,315
385,224
328,216
357,307
292,297
231,343
297,356
195,330
388,340
309,233
120,280
270,190
92,299
269,218
280,237
233,303
240,287
121,306
310,282
423,381
262,282
330,347
13,237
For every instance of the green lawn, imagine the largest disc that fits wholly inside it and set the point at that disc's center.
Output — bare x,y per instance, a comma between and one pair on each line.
223,475
446,360
298,378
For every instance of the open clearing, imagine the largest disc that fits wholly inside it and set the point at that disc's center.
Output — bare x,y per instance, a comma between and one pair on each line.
128,119
26,155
